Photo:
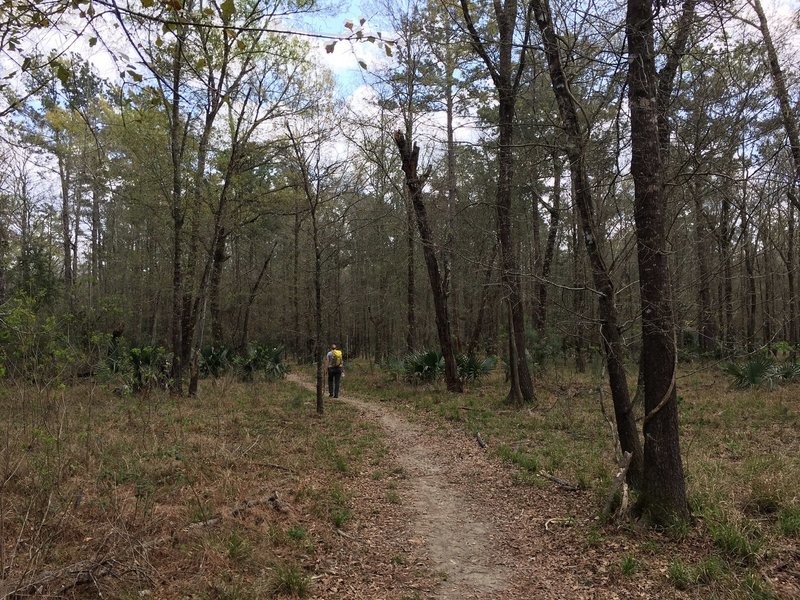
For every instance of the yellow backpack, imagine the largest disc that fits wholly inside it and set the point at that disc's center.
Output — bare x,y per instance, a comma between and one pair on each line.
337,358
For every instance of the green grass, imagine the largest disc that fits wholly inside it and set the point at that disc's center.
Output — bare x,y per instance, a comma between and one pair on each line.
789,521
289,580
629,565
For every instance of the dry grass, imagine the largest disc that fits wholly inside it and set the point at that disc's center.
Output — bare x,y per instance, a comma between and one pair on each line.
111,486
119,482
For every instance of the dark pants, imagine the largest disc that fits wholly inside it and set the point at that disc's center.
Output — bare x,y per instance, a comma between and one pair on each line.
334,380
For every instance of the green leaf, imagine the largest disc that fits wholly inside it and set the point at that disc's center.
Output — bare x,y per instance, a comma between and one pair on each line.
388,49
228,9
349,25
200,64
148,3
330,47
137,77
92,42
361,21
159,42
62,73
362,64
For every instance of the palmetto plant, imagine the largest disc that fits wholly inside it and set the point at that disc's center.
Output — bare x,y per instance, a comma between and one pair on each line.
761,370
424,366
215,361
472,368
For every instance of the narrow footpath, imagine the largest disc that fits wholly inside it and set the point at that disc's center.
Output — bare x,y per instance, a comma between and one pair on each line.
485,535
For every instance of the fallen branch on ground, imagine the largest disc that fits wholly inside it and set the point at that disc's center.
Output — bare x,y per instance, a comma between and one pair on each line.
565,484
481,443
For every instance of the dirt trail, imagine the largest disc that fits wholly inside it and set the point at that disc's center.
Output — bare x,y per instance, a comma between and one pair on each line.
460,542
488,536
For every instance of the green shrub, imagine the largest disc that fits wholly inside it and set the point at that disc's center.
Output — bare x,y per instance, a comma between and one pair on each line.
215,361
423,367
751,373
471,368
261,358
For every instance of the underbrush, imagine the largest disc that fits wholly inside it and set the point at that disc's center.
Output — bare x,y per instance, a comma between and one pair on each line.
739,451
235,493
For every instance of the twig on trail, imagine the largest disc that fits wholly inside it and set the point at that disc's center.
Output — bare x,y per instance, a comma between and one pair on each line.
481,443
617,485
274,466
345,535
82,571
251,446
557,520
565,484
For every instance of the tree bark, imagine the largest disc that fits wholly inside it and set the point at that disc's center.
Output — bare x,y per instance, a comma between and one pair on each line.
613,346
663,497
540,316
177,145
787,111
706,332
409,154
506,79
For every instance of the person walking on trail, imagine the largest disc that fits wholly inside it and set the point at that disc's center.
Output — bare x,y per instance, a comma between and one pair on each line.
335,366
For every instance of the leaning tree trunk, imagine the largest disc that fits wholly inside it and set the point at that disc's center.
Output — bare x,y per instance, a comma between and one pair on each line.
782,93
409,154
663,497
613,346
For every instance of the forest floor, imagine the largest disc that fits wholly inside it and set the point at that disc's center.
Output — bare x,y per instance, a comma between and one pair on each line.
488,536
481,534
244,493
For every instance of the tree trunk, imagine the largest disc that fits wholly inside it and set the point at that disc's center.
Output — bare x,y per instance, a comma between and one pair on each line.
613,346
785,102
415,183
706,332
726,239
663,496
522,389
411,319
790,276
474,338
251,298
177,144
506,78
64,172
540,317
219,259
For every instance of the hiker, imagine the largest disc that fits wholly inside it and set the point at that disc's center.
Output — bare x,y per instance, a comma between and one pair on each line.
335,369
